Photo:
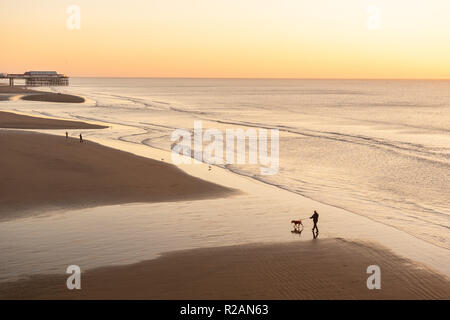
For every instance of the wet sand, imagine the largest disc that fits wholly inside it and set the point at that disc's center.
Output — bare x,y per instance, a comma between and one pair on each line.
6,92
42,172
318,269
54,97
18,121
16,90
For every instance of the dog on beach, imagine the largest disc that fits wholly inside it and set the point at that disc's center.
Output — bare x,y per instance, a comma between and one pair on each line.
298,225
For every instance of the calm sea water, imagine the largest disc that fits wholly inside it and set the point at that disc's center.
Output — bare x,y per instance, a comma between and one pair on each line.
377,148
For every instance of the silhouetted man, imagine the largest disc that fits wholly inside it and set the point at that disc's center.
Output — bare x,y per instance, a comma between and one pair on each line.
81,138
315,218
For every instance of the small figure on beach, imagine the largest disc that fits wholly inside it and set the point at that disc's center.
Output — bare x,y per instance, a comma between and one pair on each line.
298,227
81,138
315,218
67,135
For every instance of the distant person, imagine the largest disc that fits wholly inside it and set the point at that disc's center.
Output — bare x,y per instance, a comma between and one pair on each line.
81,138
315,218
67,135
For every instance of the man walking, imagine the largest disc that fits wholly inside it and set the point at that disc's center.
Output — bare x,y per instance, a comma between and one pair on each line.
315,218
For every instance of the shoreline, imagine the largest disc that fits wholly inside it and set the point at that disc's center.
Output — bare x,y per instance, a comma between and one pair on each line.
317,269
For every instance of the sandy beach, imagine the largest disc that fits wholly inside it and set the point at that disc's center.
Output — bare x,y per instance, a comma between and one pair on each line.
320,269
54,97
5,89
42,171
45,172
7,92
18,121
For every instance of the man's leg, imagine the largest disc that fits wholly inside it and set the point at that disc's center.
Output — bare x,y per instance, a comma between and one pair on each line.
315,227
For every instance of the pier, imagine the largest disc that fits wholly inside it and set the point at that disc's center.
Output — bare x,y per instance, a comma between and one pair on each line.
37,78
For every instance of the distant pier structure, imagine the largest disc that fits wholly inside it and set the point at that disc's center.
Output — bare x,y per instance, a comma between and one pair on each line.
38,78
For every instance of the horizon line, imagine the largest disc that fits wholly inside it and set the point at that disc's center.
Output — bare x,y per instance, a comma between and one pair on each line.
256,78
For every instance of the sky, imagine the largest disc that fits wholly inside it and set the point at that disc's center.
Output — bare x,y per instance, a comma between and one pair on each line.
407,39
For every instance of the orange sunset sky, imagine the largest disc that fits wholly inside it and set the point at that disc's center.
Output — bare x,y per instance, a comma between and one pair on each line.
228,38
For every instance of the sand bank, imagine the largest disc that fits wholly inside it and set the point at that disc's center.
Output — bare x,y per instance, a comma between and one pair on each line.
42,172
34,95
54,97
16,90
18,121
318,269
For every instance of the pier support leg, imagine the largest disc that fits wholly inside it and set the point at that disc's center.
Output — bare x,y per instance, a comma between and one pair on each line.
11,82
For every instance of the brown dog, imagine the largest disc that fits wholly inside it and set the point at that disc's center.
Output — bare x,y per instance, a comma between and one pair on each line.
297,225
